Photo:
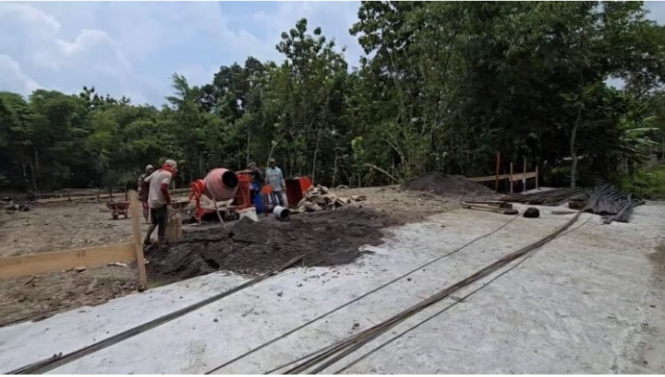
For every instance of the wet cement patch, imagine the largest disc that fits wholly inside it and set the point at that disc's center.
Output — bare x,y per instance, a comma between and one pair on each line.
251,248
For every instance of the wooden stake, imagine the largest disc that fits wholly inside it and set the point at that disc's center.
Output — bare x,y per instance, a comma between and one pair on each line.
498,164
536,176
219,216
138,242
524,176
511,178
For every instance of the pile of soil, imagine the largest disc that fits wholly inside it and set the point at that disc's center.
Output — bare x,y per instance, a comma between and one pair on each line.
248,247
447,185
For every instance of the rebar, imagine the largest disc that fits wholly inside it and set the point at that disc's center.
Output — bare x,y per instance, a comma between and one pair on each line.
341,349
607,201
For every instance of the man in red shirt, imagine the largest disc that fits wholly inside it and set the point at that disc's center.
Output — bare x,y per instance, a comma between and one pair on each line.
159,200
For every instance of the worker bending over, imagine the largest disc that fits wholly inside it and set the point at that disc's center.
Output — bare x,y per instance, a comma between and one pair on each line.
144,189
159,200
258,181
275,179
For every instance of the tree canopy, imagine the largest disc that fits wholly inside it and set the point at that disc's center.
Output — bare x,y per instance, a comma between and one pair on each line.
441,86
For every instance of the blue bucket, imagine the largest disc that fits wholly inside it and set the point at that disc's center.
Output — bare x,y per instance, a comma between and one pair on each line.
258,201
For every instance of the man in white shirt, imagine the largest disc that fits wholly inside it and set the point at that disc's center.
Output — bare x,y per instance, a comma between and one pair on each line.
275,179
159,200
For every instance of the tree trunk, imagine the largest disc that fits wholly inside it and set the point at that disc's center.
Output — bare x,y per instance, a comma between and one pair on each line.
573,147
316,151
35,169
34,176
25,174
334,170
249,138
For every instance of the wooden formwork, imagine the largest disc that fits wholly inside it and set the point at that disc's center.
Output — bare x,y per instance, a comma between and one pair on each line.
512,177
41,263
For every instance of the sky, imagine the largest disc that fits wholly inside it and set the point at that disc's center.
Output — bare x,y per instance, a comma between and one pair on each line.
133,48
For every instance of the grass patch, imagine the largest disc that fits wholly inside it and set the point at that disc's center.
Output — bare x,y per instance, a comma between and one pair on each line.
648,184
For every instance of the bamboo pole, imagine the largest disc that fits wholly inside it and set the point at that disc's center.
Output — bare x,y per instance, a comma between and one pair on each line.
138,245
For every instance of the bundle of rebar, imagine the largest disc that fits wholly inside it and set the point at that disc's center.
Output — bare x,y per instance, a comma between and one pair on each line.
322,359
607,201
612,204
547,198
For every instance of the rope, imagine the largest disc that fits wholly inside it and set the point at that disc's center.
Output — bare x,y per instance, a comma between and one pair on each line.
356,299
60,360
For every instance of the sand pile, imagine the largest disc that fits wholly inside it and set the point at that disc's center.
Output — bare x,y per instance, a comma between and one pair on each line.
447,185
247,247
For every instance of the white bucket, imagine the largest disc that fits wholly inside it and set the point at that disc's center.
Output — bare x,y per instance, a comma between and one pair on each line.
281,213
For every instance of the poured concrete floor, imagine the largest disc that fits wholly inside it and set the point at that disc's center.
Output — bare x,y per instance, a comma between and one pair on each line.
591,301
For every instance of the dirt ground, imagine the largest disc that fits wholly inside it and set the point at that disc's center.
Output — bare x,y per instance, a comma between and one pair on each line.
73,225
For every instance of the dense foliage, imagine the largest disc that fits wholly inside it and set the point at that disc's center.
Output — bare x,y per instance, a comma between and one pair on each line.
441,86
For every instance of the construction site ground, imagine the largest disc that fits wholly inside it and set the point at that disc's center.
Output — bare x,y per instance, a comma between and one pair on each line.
590,301
72,225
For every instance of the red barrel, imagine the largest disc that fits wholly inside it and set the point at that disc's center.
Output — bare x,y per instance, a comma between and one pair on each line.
295,189
243,198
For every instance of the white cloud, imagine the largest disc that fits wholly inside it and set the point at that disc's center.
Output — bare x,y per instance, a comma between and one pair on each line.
13,78
134,47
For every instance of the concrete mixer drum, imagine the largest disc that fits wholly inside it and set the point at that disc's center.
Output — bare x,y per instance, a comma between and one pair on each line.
218,185
221,184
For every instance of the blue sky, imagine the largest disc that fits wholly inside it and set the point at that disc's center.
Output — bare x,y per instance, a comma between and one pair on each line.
132,48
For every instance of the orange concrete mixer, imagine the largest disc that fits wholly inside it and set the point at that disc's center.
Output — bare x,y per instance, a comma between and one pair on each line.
219,185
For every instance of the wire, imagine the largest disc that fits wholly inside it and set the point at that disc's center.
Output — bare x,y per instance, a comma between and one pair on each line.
60,360
353,301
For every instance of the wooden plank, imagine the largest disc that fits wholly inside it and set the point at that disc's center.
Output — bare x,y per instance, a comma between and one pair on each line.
31,264
73,198
516,177
138,242
522,176
505,211
489,178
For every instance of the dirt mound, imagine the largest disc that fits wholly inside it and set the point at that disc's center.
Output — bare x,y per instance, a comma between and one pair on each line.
446,185
328,238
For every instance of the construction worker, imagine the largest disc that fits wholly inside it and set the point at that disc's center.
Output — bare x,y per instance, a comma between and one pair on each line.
258,182
144,189
159,200
275,179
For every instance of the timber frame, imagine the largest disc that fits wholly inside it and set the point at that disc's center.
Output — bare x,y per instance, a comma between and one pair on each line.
511,177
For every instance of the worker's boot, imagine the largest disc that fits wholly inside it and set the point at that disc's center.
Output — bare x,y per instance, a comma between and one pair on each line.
161,242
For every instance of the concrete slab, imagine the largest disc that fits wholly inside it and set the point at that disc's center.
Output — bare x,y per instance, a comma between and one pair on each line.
591,301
